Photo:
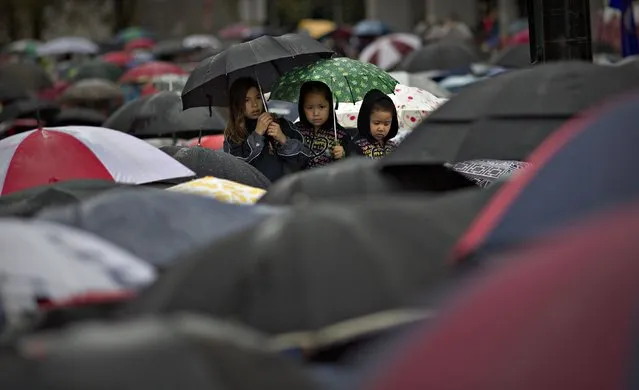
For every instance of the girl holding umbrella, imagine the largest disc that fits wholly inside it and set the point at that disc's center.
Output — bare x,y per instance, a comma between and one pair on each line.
268,143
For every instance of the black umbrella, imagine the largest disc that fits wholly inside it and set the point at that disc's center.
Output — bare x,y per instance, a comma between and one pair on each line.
207,162
167,353
46,110
439,56
514,57
29,202
162,114
157,226
265,59
357,177
97,69
297,274
508,116
166,50
79,117
31,76
11,91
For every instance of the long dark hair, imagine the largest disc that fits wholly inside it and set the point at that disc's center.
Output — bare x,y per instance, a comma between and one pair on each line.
235,130
319,88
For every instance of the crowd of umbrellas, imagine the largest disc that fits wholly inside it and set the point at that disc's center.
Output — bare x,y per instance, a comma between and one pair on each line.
494,248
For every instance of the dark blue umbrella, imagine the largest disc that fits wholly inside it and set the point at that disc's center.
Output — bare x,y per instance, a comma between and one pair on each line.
158,225
584,168
370,27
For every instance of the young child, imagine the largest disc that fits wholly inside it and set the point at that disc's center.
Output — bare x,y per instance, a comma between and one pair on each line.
376,124
270,144
316,125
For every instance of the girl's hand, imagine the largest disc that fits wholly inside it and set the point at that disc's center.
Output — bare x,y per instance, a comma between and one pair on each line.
275,131
263,122
338,152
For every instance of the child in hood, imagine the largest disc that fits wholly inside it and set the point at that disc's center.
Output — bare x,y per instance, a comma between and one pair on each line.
270,144
377,124
316,125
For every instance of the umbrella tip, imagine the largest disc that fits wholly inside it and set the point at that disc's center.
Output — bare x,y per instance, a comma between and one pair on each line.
199,138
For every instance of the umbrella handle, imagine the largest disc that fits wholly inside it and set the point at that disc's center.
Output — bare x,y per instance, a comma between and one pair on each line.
259,86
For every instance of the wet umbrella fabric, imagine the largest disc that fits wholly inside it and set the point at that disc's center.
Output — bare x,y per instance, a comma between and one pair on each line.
162,114
122,119
31,76
514,57
29,202
296,277
30,109
502,118
206,162
91,89
79,117
265,58
157,226
439,56
149,70
563,323
356,177
579,171
11,90
187,352
89,153
68,45
57,265
97,69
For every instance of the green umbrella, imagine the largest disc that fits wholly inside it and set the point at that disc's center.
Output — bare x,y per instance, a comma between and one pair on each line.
131,33
95,69
349,80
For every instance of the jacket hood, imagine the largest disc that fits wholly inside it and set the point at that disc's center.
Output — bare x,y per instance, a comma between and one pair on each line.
363,119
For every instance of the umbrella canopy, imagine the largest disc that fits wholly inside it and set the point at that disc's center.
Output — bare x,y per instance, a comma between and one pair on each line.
68,45
131,33
122,119
287,110
265,59
29,75
348,79
577,172
504,118
50,264
389,50
181,351
422,81
487,172
556,315
316,28
439,56
139,44
161,114
356,177
148,70
29,202
215,142
201,41
413,106
300,294
370,27
27,47
11,90
89,153
158,226
514,57
168,82
97,69
31,109
206,162
79,117
90,93
223,190
119,58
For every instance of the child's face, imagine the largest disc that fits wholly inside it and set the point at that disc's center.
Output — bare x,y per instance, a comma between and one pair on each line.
253,104
381,122
316,109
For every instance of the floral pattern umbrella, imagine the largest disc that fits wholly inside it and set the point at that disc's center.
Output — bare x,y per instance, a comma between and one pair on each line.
349,80
413,106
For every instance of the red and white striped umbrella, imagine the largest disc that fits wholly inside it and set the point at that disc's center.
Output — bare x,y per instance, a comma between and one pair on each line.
44,156
388,50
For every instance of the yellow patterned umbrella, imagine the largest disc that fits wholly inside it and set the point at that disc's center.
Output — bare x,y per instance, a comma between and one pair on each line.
222,190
